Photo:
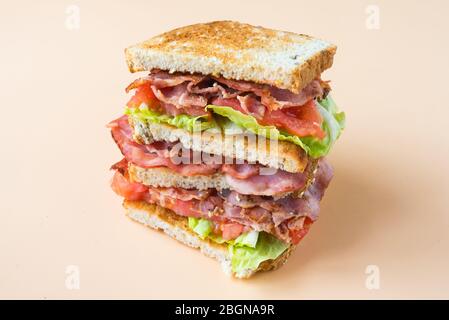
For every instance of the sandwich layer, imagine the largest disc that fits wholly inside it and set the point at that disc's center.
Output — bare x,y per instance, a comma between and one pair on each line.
203,171
177,227
274,154
309,121
273,184
236,51
232,213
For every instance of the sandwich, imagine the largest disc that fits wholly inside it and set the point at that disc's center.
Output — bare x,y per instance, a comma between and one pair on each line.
224,140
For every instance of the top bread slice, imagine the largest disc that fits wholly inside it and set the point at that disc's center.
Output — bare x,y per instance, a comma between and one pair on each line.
236,51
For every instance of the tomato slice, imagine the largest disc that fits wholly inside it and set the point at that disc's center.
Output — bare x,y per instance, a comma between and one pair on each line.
183,208
301,121
231,230
143,94
298,234
126,189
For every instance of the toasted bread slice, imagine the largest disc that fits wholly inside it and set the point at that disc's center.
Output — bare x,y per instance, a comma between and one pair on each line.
274,154
164,177
236,51
177,227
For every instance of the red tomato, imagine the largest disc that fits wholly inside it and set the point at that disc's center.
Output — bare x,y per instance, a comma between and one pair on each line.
143,94
231,230
185,208
307,112
126,189
298,234
301,121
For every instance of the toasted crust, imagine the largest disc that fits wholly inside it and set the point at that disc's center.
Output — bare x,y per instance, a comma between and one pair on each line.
177,227
236,51
274,154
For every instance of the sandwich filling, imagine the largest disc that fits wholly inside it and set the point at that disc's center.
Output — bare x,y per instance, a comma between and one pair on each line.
309,118
232,213
261,211
245,178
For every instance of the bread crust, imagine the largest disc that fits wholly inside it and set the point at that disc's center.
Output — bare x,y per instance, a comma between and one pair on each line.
166,178
236,51
176,227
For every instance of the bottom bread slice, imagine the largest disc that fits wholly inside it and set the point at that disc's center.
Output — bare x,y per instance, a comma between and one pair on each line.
177,227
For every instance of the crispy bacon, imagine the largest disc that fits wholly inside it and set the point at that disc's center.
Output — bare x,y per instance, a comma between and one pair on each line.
179,96
177,93
270,184
241,171
274,98
250,105
184,194
287,218
150,156
212,89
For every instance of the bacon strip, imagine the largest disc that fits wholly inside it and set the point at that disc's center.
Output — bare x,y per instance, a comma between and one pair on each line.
241,171
149,156
283,217
274,98
267,185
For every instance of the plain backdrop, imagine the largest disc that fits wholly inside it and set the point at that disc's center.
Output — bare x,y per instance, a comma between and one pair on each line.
385,213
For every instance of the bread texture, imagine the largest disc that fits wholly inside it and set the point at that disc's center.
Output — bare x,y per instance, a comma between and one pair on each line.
177,227
272,153
236,51
164,177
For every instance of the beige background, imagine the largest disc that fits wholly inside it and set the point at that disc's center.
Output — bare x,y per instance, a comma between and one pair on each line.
387,206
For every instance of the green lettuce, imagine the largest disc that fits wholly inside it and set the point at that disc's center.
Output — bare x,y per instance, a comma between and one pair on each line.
231,121
202,227
246,258
182,121
248,239
248,250
333,124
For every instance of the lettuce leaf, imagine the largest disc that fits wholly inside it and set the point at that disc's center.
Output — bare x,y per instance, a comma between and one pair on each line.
202,227
248,250
182,121
333,124
248,239
246,258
